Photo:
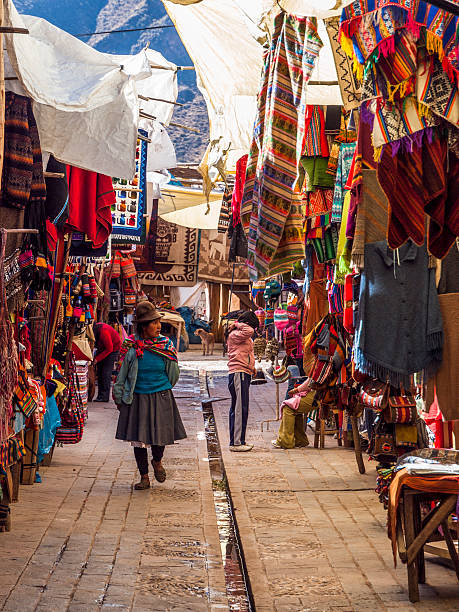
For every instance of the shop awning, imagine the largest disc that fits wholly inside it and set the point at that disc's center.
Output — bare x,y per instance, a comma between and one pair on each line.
85,102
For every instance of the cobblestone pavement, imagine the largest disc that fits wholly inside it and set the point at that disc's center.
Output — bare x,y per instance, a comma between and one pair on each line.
312,528
83,540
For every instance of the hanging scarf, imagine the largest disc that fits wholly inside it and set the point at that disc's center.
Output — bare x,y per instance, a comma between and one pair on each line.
161,345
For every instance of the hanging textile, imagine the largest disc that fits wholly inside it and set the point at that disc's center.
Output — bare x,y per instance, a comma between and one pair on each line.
371,221
91,196
23,183
346,154
434,89
431,177
269,206
8,351
241,169
225,210
369,26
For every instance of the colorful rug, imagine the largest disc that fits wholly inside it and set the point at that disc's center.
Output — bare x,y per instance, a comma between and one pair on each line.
170,256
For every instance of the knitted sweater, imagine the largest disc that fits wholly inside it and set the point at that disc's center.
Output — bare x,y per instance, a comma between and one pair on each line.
400,328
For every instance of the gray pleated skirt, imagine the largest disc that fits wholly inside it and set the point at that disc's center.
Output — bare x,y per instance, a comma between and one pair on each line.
152,419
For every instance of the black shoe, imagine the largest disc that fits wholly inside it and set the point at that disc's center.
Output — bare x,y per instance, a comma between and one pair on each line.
101,399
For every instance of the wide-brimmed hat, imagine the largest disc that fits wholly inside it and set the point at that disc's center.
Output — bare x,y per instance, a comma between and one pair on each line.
146,312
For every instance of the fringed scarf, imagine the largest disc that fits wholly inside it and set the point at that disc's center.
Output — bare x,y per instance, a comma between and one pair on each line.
161,345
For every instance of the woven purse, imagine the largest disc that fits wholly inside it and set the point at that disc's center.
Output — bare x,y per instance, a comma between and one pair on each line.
401,409
374,394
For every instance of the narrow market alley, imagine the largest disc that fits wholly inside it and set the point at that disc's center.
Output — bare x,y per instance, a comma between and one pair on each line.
312,530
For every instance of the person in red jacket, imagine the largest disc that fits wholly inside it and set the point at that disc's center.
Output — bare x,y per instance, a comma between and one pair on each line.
108,344
241,366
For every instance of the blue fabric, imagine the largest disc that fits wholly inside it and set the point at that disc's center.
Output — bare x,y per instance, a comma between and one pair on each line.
152,376
51,421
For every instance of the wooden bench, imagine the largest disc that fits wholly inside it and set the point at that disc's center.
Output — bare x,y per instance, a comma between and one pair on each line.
414,534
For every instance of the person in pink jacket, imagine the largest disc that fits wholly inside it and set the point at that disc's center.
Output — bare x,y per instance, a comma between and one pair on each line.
241,366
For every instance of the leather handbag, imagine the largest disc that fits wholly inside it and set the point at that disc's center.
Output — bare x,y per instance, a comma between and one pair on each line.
374,394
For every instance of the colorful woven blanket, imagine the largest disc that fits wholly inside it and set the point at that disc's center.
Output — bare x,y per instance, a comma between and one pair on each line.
369,26
160,346
346,154
371,222
268,212
435,90
431,179
23,183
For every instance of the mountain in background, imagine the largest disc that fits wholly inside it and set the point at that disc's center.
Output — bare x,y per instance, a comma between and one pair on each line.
85,16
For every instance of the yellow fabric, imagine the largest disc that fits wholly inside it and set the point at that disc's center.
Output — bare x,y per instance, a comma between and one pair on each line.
291,431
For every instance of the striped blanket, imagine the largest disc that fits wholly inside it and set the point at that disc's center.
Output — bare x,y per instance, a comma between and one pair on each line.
270,208
371,221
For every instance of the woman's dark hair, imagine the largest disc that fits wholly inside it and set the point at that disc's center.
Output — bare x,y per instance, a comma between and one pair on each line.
141,327
249,318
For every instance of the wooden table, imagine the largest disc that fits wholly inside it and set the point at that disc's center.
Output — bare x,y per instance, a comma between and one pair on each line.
414,533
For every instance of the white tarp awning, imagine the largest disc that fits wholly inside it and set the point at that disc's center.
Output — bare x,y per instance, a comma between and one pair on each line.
85,102
223,39
174,199
202,216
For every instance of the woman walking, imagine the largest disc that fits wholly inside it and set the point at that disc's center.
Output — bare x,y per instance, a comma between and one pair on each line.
143,393
241,366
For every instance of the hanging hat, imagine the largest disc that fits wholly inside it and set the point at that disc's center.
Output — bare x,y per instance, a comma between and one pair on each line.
259,346
272,349
281,374
146,312
269,316
292,312
261,316
259,378
272,291
258,287
280,318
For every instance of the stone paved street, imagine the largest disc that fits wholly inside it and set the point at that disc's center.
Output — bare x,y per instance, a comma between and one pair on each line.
83,540
312,529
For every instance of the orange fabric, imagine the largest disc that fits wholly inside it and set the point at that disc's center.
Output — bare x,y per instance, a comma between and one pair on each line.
313,314
429,484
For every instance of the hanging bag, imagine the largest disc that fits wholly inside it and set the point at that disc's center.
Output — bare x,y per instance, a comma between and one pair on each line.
130,297
374,394
401,408
127,266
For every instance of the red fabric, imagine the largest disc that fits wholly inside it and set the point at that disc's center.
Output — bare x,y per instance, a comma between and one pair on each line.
108,342
90,198
241,167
